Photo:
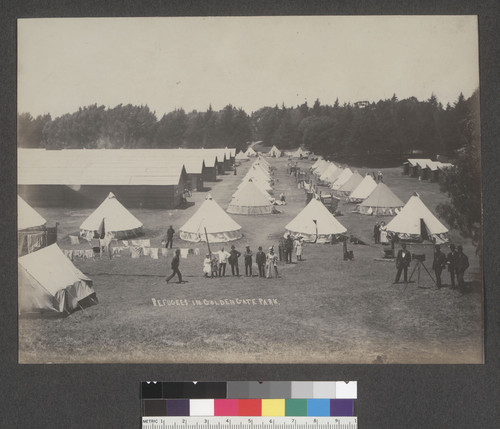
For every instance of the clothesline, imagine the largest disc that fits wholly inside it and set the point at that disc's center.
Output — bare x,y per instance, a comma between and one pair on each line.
133,251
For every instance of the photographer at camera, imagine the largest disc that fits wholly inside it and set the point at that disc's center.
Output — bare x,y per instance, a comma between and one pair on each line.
402,263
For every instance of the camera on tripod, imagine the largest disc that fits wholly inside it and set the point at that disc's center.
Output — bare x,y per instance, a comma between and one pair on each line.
418,257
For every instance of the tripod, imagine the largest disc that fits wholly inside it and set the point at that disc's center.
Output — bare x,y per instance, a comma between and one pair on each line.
417,268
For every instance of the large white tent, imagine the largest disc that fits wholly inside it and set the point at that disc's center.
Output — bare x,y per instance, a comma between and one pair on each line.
325,176
320,169
417,223
342,179
241,156
49,282
261,183
350,185
363,190
315,224
250,200
299,153
111,217
274,152
318,162
212,221
333,174
382,201
31,228
27,216
250,152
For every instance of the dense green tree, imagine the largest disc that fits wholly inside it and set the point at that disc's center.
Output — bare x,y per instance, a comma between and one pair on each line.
463,181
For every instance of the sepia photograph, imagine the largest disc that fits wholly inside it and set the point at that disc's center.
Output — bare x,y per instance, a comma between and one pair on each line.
282,189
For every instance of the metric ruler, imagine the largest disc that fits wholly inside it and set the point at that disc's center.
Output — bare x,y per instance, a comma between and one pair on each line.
249,423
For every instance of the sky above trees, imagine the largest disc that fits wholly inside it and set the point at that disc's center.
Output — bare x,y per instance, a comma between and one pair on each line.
248,62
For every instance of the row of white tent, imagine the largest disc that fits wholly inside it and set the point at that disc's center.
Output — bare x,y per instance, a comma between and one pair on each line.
373,198
412,220
274,152
210,222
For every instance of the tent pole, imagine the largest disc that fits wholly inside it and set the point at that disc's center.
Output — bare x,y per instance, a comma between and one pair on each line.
208,243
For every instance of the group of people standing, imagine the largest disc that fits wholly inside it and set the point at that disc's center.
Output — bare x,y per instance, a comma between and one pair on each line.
214,264
286,247
380,233
456,262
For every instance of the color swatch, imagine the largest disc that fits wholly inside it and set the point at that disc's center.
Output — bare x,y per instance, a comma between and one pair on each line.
274,399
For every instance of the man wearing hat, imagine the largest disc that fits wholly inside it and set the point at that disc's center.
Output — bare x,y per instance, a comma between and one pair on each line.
248,261
402,263
438,264
260,258
175,267
233,261
461,264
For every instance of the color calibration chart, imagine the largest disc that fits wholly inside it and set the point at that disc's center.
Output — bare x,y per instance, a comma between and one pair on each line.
249,405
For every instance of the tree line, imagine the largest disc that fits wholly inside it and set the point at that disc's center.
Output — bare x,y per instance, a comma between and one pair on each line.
362,133
385,131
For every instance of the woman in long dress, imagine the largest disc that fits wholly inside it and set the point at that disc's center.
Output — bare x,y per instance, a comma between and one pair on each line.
298,249
383,233
207,266
271,264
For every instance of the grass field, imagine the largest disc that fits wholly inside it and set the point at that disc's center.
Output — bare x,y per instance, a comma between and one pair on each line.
324,309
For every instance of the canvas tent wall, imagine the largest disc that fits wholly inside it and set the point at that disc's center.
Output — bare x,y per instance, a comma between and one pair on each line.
32,231
317,163
219,226
322,231
325,176
259,182
333,174
381,202
299,153
274,152
250,152
249,200
49,282
322,168
111,217
342,179
241,156
350,185
363,190
415,222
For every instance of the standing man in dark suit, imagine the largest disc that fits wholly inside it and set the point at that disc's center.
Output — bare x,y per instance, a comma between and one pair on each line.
438,264
402,263
175,267
451,262
376,233
461,264
248,261
288,249
233,261
260,258
170,236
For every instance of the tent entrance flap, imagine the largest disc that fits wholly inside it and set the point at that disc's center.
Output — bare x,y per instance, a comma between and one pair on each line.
424,231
